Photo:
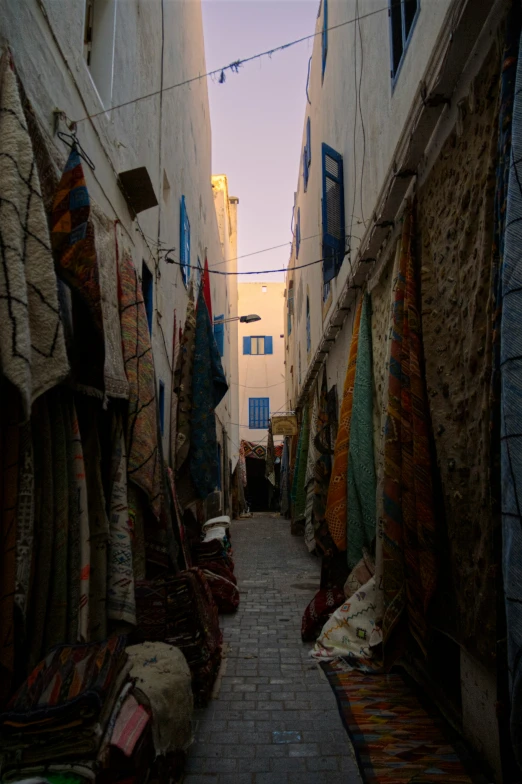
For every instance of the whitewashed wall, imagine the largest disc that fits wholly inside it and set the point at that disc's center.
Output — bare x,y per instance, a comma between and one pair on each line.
169,134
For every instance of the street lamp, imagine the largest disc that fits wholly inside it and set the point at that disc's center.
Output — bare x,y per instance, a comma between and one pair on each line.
244,319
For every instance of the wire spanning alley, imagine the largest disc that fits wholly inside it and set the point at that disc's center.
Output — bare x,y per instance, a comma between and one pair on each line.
235,65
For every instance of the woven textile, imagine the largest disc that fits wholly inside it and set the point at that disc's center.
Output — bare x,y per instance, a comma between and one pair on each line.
336,512
322,471
455,263
130,725
205,287
394,738
9,484
72,237
74,544
71,683
79,507
116,384
251,449
183,385
209,386
88,417
142,433
121,604
24,522
32,345
284,479
56,626
409,525
270,457
511,401
361,466
43,525
298,482
163,673
325,601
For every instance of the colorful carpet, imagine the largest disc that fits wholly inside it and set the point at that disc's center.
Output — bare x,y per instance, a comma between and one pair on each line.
395,739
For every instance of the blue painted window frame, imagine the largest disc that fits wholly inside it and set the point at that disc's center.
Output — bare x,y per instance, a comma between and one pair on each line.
307,155
268,345
298,233
324,37
147,288
333,247
258,413
162,407
219,334
395,70
184,242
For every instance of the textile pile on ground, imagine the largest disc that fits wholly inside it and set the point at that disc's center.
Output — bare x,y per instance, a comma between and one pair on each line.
214,556
67,711
181,612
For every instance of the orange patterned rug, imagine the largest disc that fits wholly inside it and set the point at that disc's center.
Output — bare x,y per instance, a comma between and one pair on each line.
395,739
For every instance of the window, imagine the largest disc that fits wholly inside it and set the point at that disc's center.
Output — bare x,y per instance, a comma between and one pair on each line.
290,306
307,155
162,406
219,334
298,233
98,44
258,344
308,327
333,213
147,285
403,15
184,242
258,413
325,34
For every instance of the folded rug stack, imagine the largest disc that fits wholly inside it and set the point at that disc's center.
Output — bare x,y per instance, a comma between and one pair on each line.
214,556
181,612
68,711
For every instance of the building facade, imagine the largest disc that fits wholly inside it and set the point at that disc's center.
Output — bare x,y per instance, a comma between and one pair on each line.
402,104
99,54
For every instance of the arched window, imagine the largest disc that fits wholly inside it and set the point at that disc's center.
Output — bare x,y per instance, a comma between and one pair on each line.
308,327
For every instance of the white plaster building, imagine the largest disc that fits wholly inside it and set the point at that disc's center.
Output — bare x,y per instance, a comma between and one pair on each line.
383,95
82,57
261,358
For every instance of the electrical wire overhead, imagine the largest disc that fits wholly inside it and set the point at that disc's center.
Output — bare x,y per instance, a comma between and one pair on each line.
234,66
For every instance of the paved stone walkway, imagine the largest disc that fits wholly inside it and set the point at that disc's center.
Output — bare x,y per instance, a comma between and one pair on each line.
274,718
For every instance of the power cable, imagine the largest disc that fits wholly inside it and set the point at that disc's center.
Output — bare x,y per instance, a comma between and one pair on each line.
234,66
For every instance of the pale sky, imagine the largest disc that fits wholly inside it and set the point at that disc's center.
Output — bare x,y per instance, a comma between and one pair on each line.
257,116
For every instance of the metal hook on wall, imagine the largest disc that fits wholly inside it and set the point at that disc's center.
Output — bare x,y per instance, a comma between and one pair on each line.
71,140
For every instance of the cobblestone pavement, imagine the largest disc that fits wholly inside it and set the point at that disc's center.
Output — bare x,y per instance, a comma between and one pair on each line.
274,718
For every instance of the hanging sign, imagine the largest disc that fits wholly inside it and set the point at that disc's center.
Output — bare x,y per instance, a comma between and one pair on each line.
284,425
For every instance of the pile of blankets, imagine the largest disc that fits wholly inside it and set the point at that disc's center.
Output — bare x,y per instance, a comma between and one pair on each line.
214,556
180,611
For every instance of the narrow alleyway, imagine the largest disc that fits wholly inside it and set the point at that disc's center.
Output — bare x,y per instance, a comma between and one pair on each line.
274,718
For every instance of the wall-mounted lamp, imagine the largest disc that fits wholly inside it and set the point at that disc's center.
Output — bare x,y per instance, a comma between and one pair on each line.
244,319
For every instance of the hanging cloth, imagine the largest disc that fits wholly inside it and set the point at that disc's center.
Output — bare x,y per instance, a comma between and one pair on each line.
205,285
72,237
298,482
270,466
32,345
409,525
183,385
336,512
322,471
510,407
361,466
208,389
143,464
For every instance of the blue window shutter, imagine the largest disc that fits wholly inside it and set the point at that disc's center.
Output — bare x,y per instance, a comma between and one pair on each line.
305,167
162,406
246,347
308,144
258,412
332,212
219,334
184,241
298,232
268,344
325,34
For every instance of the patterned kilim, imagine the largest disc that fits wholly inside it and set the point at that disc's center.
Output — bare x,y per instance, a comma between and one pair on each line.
72,238
252,449
409,525
142,448
336,514
394,738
